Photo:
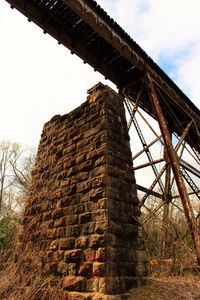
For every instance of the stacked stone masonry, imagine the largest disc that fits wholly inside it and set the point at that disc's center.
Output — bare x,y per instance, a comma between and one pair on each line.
82,211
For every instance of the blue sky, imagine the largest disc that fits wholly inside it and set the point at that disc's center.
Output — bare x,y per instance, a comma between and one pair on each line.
40,79
168,31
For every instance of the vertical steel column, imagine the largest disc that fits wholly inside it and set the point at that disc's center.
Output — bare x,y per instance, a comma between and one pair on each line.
192,224
167,199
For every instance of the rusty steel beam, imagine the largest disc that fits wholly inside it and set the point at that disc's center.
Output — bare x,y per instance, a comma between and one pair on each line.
150,189
153,213
148,146
190,181
179,208
167,200
153,193
151,128
157,161
144,144
184,134
178,196
135,106
197,153
180,156
165,91
190,168
175,166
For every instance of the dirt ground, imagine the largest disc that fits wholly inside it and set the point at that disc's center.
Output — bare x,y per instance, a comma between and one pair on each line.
170,288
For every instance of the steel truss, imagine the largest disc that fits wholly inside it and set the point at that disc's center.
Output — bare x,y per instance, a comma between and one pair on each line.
174,177
84,28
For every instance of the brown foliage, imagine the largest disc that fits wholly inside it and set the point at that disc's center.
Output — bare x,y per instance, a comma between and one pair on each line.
20,282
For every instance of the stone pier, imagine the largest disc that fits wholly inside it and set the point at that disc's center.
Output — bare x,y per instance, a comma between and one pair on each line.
82,212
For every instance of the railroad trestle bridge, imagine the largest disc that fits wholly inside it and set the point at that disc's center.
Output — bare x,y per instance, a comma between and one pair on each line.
86,29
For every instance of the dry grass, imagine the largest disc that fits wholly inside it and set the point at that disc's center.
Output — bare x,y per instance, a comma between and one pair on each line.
168,288
171,280
20,282
24,279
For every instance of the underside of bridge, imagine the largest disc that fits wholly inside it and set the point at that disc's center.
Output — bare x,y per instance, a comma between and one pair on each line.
149,95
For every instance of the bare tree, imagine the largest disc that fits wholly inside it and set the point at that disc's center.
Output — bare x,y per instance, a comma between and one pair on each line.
15,173
5,176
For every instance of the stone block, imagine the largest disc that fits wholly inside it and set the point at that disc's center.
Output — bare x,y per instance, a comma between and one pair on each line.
68,230
74,255
97,241
85,217
74,283
101,255
83,186
66,243
100,215
60,232
101,227
115,285
60,222
80,159
71,220
85,166
77,296
102,203
103,285
99,269
85,269
96,194
54,245
87,228
81,242
76,230
92,285
57,213
73,269
89,255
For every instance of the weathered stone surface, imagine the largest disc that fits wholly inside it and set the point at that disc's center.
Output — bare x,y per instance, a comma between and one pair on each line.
74,283
83,208
85,269
78,296
54,245
100,255
99,269
81,242
74,255
68,243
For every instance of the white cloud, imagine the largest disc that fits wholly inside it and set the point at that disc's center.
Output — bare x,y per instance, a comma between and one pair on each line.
188,73
168,31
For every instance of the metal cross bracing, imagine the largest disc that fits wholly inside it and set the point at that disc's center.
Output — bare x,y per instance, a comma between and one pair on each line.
172,177
85,28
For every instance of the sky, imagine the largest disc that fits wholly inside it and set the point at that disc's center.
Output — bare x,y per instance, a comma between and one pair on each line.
39,78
